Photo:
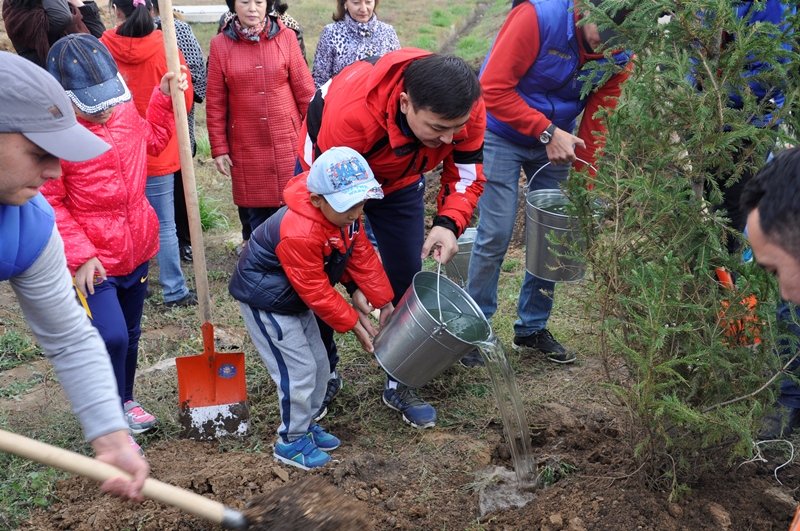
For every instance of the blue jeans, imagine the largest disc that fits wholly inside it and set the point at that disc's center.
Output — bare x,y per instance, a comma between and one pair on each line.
160,193
502,161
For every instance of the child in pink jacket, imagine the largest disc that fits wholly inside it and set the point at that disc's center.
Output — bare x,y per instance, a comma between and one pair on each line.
110,231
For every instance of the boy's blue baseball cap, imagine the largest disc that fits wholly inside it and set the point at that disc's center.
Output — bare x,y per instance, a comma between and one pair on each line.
344,178
88,72
33,104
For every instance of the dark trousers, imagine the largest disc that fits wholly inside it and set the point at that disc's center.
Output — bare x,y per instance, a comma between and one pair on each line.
115,310
181,217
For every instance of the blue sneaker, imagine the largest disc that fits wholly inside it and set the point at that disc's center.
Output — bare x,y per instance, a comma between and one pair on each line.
415,410
324,440
302,453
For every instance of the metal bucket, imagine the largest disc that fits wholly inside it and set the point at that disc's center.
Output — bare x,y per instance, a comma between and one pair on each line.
416,345
545,213
457,269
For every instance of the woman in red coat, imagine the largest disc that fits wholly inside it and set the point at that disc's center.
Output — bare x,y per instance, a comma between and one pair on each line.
138,49
258,92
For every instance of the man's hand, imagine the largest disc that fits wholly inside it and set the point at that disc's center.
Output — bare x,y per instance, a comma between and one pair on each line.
561,148
223,162
84,276
115,449
443,242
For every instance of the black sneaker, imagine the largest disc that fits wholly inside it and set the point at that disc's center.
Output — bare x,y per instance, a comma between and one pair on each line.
780,423
544,342
186,253
190,299
473,359
334,385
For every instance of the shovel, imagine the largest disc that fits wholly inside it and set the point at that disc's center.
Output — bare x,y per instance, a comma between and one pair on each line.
321,506
97,470
211,386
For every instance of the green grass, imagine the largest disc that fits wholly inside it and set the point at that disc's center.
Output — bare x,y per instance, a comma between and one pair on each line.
471,48
441,19
17,348
211,216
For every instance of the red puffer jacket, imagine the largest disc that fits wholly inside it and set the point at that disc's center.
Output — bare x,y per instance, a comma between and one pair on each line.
257,96
100,206
142,63
361,110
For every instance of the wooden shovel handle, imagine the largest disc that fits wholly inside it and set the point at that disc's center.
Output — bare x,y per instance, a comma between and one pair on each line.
97,470
187,164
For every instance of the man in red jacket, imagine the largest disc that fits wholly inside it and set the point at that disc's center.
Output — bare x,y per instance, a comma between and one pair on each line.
406,113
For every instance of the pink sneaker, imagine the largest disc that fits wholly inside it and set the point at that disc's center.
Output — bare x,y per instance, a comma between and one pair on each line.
134,445
139,420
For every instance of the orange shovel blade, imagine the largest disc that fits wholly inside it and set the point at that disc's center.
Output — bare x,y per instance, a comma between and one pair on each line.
211,378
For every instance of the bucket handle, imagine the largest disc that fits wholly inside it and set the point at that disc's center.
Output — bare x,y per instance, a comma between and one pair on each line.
527,185
442,324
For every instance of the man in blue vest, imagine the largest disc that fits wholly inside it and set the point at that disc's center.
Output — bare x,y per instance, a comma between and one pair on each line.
532,81
37,127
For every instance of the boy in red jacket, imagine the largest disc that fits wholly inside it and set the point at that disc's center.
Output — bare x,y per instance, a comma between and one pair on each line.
286,275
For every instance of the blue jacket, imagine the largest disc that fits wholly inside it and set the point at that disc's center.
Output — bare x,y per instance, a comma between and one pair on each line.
552,85
774,12
24,232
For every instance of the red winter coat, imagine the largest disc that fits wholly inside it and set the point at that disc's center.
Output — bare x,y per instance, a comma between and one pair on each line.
142,62
257,96
361,110
100,206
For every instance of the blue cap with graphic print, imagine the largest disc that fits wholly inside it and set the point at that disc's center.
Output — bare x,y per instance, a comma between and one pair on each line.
344,178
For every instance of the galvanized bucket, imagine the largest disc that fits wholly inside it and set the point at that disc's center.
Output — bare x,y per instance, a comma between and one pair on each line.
457,269
544,214
434,325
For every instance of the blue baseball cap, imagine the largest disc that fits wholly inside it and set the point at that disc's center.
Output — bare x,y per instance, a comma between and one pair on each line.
344,178
33,104
88,73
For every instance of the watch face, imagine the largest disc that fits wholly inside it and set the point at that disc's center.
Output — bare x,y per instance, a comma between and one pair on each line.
545,137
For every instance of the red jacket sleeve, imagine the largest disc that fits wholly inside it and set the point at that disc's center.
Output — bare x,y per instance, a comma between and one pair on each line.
366,269
462,172
514,51
300,78
217,100
160,124
607,97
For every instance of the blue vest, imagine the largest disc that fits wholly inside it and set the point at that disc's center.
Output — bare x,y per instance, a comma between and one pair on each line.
24,232
552,85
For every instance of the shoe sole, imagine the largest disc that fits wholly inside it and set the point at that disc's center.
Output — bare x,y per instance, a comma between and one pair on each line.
140,430
321,415
414,424
301,466
561,362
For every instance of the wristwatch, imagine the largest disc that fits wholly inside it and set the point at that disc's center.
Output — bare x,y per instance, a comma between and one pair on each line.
547,134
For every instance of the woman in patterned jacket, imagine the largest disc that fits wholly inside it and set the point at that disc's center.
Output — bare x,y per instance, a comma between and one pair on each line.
355,34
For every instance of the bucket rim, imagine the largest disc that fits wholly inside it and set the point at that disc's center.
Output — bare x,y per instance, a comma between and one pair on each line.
467,298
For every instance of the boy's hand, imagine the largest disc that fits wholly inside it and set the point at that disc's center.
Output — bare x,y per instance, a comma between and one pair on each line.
183,82
386,314
363,336
84,276
363,308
